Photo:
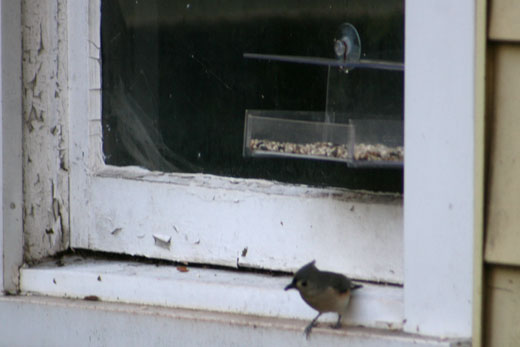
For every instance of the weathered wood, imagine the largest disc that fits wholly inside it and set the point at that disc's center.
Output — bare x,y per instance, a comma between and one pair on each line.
213,219
45,127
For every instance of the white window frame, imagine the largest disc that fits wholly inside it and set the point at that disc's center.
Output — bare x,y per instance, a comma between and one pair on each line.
208,219
443,171
442,131
11,193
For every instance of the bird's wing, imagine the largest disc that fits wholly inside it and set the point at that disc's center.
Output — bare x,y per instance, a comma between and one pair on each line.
338,281
344,284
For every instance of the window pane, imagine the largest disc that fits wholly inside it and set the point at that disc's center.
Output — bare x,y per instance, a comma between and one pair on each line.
176,84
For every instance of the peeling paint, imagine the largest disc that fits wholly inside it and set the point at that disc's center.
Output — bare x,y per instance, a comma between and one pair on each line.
163,241
116,231
45,104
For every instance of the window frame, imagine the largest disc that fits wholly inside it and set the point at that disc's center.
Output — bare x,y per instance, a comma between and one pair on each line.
453,227
229,214
11,193
444,123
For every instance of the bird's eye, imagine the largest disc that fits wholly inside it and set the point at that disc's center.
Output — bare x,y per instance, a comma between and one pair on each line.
304,283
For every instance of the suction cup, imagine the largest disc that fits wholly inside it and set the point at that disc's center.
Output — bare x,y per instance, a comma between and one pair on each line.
347,44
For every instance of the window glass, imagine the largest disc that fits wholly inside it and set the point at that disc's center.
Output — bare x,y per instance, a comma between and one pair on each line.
176,84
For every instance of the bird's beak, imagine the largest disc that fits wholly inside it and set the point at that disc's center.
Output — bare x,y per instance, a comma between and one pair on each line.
290,286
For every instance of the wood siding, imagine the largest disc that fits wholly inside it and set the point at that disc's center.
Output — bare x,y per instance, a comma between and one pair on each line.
502,243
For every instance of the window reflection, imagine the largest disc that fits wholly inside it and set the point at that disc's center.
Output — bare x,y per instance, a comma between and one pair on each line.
176,85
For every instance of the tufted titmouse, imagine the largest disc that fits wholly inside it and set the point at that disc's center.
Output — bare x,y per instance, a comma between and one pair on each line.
324,291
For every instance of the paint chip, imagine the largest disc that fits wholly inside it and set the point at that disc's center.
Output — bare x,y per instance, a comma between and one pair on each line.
116,231
182,268
163,241
244,252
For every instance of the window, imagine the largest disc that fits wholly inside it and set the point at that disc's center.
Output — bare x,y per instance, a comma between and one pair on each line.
440,213
203,218
176,83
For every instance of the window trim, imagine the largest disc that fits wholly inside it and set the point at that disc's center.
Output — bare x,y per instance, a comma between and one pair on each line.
11,221
443,171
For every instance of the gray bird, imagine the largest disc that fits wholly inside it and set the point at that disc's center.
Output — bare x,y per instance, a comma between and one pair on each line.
323,291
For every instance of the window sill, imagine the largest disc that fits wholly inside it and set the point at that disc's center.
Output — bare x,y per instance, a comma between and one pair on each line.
375,306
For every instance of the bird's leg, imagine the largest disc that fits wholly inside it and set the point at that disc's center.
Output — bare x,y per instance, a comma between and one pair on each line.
338,323
308,328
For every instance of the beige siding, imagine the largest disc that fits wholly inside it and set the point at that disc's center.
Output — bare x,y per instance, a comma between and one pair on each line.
503,307
502,244
503,236
504,20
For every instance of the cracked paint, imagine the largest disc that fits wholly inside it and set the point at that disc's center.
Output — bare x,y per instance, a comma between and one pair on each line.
45,104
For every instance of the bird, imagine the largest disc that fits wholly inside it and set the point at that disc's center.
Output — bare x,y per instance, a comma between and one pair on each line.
324,291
